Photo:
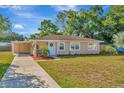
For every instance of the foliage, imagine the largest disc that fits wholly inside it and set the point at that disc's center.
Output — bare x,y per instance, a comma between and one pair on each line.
33,36
6,35
66,20
45,52
91,23
11,37
118,39
113,22
39,51
80,23
42,52
109,50
47,27
5,24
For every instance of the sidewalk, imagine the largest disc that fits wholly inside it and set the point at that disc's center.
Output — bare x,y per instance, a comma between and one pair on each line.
24,72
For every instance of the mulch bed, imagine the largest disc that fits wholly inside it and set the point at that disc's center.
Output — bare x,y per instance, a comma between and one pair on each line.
42,58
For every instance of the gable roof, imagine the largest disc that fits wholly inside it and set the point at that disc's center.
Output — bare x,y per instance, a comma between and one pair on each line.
65,37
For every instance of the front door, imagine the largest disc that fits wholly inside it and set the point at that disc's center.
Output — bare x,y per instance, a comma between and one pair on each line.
51,47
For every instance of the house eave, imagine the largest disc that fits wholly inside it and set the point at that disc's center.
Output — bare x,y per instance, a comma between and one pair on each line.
66,40
21,41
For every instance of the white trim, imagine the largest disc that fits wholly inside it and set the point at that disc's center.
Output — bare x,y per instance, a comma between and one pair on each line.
58,48
75,49
22,42
93,43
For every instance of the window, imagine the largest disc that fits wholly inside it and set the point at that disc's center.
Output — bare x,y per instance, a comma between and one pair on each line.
92,46
74,46
61,46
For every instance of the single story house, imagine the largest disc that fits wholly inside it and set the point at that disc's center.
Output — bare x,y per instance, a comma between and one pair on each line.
57,45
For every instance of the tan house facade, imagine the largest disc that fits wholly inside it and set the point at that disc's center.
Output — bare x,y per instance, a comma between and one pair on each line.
58,45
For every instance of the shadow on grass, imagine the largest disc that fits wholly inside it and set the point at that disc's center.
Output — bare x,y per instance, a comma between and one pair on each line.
12,79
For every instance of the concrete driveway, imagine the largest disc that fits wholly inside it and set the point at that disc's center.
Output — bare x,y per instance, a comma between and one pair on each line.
24,72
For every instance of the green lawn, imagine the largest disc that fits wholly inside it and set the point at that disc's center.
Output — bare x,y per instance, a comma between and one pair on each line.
87,71
5,60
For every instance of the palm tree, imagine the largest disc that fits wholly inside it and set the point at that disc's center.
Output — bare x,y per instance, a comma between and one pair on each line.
119,39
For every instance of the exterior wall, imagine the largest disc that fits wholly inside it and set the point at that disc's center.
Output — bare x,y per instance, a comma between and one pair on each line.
66,51
19,48
42,45
83,49
28,48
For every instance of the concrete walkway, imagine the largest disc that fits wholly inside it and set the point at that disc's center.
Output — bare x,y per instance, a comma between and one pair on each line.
26,73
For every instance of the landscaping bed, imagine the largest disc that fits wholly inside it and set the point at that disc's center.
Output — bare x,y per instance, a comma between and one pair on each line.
5,60
87,71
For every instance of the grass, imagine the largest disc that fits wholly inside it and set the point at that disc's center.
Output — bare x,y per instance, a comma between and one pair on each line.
87,71
5,60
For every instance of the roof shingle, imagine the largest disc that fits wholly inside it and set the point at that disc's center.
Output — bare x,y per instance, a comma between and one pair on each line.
64,37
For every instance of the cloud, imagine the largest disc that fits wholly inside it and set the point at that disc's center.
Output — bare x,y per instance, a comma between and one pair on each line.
64,7
18,26
27,32
31,16
15,7
20,11
25,14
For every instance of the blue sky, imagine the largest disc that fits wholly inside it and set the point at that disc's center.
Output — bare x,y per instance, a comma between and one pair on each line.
26,19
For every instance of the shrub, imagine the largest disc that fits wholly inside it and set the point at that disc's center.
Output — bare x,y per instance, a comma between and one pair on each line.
39,52
45,52
42,52
109,50
118,39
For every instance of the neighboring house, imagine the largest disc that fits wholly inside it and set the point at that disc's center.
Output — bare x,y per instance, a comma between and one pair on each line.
58,45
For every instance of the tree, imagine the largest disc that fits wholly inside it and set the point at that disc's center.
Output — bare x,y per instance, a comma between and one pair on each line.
34,36
118,39
67,21
5,24
113,22
47,27
80,23
92,25
12,37
97,10
6,35
16,37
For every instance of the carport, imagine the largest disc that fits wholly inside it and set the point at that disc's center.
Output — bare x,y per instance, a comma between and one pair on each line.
21,47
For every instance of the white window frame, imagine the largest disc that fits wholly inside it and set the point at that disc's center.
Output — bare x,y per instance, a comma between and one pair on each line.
93,43
74,49
59,46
